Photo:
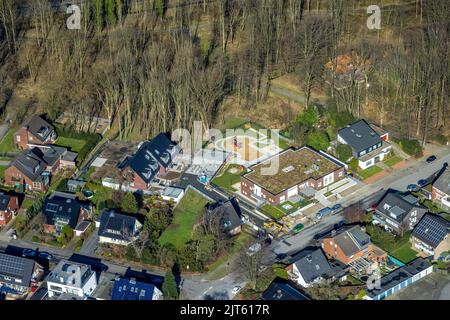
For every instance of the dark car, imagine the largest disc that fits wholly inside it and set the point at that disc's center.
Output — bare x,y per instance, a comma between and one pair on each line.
445,165
412,187
337,207
28,253
431,159
45,255
422,182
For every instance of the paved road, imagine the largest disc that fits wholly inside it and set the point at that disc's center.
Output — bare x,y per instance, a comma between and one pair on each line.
367,195
200,288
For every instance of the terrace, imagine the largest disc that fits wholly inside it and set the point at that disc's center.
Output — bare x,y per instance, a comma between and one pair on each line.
296,166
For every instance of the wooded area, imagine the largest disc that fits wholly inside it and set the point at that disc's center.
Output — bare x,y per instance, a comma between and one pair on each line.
155,65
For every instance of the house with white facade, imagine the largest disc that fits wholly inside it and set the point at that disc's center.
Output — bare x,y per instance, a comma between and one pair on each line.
309,267
71,278
368,146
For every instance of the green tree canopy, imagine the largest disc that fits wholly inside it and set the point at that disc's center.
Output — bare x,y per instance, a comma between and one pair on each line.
344,152
318,140
169,287
129,203
310,117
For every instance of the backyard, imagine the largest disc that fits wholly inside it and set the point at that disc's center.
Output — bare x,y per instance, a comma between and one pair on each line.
230,176
185,216
73,144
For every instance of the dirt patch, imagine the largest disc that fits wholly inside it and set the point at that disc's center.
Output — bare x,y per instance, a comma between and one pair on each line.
400,165
376,177
173,226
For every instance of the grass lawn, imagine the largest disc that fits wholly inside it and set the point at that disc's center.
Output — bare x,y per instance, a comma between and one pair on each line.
364,174
7,144
404,253
186,214
27,202
227,179
295,206
391,161
2,171
272,211
73,144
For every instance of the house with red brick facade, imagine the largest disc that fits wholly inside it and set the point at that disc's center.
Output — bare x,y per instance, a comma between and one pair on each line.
301,170
35,131
441,189
9,205
32,168
152,159
351,244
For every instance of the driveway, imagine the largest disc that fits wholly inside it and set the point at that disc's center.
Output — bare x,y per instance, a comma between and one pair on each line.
3,130
200,288
90,244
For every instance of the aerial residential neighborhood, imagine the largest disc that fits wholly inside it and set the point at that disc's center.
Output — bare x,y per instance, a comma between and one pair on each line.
224,150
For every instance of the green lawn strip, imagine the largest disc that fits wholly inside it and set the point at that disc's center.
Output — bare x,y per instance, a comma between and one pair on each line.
2,171
295,206
367,173
185,216
391,161
7,144
73,144
398,247
272,211
227,179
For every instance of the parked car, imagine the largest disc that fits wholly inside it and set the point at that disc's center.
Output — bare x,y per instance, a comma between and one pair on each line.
422,182
253,249
323,212
236,290
431,158
336,208
298,228
28,253
412,187
45,255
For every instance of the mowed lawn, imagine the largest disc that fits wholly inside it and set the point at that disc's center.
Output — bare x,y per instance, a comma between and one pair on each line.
186,214
393,161
227,179
364,174
404,253
73,144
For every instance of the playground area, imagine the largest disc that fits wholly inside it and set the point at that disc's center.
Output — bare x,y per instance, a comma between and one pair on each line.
248,148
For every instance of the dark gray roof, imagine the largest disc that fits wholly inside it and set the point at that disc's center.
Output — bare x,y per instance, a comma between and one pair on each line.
62,205
432,229
39,127
50,154
443,182
360,135
115,225
130,289
312,264
4,201
145,162
30,163
397,205
281,289
232,215
13,267
400,275
352,240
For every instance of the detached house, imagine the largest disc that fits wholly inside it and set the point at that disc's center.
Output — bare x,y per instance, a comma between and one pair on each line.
71,278
309,267
32,168
230,215
398,212
431,236
9,205
352,246
130,289
152,159
62,209
36,131
441,189
368,146
116,228
18,275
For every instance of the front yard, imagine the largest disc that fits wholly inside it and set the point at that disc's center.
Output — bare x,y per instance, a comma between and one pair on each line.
272,211
186,215
392,161
367,173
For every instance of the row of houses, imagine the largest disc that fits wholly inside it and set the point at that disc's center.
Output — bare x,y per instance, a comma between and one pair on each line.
68,280
39,159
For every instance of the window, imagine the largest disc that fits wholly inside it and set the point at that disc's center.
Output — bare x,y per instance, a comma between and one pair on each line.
340,174
36,185
368,163
362,153
18,138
